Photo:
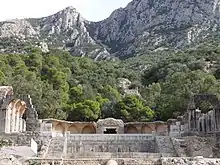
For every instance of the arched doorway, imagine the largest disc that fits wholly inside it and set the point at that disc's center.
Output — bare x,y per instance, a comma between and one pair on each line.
59,130
73,130
147,129
132,130
89,129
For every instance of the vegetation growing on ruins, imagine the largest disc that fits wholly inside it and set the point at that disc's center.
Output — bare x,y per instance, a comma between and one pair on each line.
75,88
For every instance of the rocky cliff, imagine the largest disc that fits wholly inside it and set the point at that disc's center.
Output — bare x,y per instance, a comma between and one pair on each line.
141,26
157,24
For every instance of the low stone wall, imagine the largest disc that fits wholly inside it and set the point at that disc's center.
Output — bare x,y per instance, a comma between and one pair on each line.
108,155
22,139
121,161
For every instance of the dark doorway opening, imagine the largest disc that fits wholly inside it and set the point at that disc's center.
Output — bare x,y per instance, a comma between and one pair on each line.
110,131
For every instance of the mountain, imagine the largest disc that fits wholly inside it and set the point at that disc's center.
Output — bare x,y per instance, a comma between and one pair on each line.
142,26
63,30
157,24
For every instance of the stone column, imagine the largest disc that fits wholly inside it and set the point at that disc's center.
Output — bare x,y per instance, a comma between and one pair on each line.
17,123
213,121
8,120
13,117
21,125
217,120
189,120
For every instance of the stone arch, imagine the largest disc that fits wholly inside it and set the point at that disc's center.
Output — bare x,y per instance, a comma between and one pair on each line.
9,93
73,129
14,113
20,107
132,130
146,129
6,91
88,129
59,128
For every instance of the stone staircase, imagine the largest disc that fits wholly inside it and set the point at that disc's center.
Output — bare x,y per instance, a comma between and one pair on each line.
165,145
56,148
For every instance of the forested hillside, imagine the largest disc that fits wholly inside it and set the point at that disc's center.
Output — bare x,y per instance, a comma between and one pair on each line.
76,88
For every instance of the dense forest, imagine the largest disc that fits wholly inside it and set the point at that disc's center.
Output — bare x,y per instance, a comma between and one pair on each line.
77,88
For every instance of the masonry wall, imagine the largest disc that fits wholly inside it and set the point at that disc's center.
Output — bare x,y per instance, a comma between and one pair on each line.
110,143
2,120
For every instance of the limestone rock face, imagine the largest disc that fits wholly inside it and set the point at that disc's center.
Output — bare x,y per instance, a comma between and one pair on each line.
17,28
69,22
159,23
126,87
63,30
142,26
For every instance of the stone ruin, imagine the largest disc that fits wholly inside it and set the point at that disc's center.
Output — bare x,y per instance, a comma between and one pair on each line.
53,141
17,115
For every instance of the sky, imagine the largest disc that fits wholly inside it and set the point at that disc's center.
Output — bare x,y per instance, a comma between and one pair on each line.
92,10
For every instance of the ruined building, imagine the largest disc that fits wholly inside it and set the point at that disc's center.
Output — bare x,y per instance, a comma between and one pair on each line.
196,133
17,115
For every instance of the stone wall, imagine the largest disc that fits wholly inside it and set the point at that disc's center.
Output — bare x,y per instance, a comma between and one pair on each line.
110,123
189,161
93,145
120,161
158,127
164,145
200,146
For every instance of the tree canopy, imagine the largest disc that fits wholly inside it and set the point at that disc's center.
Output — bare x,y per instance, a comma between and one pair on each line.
79,88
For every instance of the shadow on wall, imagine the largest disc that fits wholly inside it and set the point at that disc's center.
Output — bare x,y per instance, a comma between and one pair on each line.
88,130
62,128
132,130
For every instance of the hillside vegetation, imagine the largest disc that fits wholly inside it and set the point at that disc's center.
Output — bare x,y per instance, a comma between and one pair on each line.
76,88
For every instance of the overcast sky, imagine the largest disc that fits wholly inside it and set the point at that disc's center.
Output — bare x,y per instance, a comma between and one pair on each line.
92,10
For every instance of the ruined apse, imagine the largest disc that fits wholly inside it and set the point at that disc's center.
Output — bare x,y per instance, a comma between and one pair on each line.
15,113
11,112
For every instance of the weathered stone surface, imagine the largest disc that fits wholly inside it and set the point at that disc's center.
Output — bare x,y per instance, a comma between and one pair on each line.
5,90
6,159
110,122
17,28
126,87
197,146
189,161
111,162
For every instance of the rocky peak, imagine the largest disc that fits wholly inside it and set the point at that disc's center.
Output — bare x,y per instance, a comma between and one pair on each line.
67,19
